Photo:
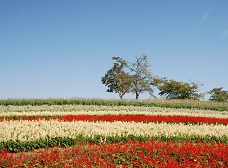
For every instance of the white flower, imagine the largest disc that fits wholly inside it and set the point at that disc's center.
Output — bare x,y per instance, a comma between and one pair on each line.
29,131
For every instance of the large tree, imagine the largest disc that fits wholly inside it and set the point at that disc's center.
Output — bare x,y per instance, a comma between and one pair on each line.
178,90
217,94
141,77
116,79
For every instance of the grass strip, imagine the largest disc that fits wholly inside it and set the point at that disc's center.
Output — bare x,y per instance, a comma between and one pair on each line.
102,102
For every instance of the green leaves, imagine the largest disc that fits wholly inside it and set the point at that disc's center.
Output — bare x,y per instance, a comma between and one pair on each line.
141,78
178,90
203,105
17,146
116,79
217,94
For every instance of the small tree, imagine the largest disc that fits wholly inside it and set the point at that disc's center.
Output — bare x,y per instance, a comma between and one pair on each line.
141,78
178,90
217,94
116,79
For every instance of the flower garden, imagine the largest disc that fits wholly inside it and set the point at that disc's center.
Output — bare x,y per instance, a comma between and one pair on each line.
112,136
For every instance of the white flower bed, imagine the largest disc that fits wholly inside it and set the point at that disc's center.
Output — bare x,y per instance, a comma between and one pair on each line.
33,130
104,110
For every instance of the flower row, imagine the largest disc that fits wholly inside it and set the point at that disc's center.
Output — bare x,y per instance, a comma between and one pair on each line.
131,154
135,118
101,136
103,110
62,113
32,130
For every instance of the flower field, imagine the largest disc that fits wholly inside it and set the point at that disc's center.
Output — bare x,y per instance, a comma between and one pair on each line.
111,136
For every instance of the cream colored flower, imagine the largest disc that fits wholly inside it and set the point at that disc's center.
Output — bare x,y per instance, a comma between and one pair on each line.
29,131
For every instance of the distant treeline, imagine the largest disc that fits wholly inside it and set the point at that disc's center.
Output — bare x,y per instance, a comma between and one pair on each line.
203,105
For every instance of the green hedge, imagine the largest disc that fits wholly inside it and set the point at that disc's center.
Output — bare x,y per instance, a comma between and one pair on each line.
102,102
17,146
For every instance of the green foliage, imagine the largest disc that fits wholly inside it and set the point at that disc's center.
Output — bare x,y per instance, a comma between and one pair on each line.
17,146
178,90
172,103
141,78
217,94
116,79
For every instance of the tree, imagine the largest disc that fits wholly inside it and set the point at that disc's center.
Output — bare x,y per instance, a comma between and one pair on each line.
141,79
116,79
178,90
217,94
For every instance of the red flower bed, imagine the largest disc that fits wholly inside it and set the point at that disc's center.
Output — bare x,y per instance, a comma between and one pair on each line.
135,118
131,154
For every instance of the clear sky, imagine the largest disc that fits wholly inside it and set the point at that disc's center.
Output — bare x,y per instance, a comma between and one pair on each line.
62,48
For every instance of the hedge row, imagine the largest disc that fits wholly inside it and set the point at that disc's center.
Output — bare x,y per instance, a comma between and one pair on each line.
17,146
102,102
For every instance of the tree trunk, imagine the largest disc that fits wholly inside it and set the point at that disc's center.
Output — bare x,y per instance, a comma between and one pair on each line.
137,96
121,96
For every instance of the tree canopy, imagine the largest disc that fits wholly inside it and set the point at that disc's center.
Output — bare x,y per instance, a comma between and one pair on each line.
138,79
141,77
217,94
178,90
116,79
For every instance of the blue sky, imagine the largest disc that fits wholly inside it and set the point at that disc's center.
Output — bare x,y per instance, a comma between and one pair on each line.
62,48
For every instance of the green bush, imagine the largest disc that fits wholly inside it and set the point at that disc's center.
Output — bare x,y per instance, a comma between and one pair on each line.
102,102
17,146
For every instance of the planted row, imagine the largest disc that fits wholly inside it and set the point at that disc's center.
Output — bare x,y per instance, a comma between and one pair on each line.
104,110
18,146
32,130
99,102
111,118
131,154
